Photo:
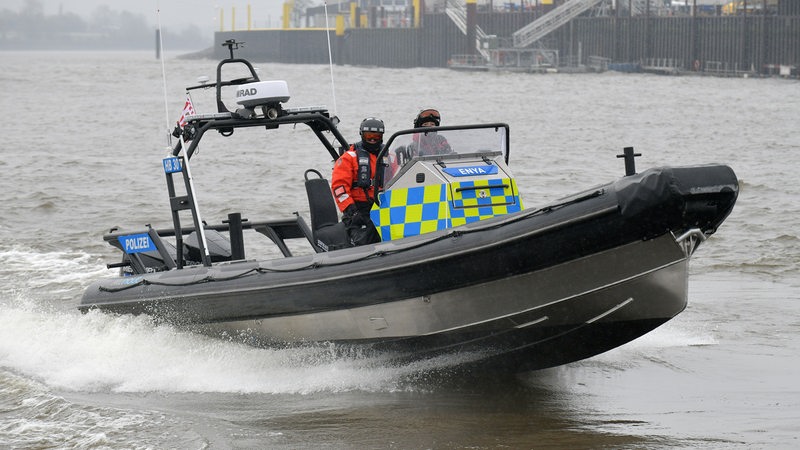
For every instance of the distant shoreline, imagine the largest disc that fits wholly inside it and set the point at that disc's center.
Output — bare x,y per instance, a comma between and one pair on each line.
191,53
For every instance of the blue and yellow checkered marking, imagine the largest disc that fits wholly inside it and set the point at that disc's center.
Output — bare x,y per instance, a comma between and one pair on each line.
412,211
483,199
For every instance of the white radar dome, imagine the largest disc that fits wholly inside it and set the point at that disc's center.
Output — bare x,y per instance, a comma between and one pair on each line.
262,93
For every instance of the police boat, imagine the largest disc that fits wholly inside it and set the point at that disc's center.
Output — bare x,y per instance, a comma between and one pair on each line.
462,269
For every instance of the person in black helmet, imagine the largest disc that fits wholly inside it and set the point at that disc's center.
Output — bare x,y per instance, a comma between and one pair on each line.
351,182
430,143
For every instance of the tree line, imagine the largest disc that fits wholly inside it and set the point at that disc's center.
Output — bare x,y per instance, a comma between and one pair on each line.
105,29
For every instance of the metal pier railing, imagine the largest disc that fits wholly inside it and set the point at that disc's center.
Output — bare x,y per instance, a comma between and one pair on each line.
549,22
458,14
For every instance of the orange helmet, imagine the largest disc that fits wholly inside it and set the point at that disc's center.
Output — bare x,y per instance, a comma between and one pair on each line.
427,115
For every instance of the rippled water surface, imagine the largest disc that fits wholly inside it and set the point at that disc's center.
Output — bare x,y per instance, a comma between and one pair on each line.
80,151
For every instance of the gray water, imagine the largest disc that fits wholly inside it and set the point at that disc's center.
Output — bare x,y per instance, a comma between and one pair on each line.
80,150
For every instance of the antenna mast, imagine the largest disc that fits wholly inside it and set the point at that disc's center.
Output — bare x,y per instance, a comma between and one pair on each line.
330,57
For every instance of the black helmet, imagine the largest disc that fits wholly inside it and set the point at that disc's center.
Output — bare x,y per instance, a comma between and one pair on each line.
427,115
371,126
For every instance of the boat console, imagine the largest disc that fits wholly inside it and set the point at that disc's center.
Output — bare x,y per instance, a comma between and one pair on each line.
443,177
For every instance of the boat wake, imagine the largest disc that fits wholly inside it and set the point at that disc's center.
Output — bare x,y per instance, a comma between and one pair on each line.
98,352
37,418
50,274
45,339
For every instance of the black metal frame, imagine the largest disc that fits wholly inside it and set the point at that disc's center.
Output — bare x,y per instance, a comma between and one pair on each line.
224,122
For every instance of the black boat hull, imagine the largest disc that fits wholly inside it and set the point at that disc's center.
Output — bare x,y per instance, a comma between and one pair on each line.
595,303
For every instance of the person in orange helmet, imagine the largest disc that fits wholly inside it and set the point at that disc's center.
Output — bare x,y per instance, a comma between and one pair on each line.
429,143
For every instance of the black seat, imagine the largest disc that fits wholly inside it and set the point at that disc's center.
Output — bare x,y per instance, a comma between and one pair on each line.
219,247
327,232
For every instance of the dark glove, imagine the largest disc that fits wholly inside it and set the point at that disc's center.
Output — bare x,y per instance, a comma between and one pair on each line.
401,155
353,218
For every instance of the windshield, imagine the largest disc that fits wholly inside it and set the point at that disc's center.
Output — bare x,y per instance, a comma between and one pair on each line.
444,143
446,140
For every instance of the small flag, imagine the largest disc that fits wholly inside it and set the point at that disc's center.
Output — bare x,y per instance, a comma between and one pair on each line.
188,110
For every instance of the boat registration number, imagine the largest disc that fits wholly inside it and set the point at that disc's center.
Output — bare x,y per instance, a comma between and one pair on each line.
172,165
470,171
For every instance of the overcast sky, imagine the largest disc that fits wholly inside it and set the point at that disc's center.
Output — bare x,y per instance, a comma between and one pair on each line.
176,14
